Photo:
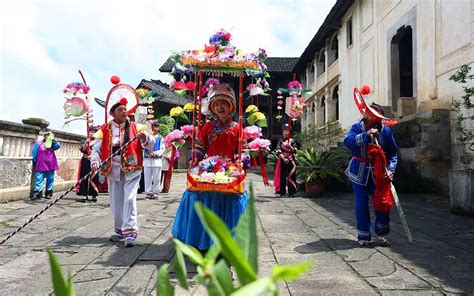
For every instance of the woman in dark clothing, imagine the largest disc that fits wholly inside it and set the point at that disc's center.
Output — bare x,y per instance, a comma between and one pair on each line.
87,187
285,172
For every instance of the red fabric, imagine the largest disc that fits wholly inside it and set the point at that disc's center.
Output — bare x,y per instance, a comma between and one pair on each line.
264,169
131,156
383,196
276,178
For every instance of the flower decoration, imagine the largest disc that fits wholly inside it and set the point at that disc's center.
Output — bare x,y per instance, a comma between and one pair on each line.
176,111
176,138
278,117
75,88
188,107
216,169
252,132
188,130
76,106
280,102
221,37
251,109
181,85
261,87
260,144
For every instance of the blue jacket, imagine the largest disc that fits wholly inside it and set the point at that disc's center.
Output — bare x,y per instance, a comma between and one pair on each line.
357,141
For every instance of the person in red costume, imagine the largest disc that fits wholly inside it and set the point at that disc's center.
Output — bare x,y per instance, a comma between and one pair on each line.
217,137
124,170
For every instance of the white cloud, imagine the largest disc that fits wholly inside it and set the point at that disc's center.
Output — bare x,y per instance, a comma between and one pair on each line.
44,43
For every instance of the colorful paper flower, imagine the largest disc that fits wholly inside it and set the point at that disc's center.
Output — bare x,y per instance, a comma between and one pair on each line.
176,138
259,116
260,144
251,108
188,107
252,132
188,130
176,111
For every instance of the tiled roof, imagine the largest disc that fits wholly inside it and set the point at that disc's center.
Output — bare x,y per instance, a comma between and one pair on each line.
164,94
273,64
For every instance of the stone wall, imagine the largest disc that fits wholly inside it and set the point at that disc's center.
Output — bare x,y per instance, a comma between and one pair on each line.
16,143
424,152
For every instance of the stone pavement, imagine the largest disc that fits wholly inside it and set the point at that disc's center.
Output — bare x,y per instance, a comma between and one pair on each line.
440,261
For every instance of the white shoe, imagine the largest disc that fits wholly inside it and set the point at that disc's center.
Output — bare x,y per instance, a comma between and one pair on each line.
129,242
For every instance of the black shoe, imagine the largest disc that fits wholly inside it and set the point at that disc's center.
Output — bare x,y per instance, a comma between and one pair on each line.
48,194
94,199
36,195
84,198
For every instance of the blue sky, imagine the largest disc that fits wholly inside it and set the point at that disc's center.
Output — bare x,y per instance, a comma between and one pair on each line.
44,43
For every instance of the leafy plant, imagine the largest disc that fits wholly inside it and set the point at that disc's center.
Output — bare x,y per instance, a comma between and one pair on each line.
272,159
166,125
241,253
314,165
61,286
464,135
323,138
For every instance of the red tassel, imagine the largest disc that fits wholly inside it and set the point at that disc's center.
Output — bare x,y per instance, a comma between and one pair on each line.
254,162
264,169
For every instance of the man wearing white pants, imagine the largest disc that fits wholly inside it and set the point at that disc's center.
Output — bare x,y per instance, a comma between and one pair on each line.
123,171
152,164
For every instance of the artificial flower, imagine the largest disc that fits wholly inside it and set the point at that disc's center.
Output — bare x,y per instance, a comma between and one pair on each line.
176,111
252,132
259,116
251,108
188,107
280,102
188,130
260,144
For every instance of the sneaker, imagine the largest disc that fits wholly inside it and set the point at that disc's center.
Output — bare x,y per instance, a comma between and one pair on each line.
116,238
129,242
153,196
84,198
382,241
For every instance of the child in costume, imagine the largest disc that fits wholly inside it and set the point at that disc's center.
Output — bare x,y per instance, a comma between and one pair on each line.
152,164
216,138
285,172
123,171
44,164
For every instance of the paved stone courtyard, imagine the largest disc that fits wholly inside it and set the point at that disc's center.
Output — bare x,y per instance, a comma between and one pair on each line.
440,261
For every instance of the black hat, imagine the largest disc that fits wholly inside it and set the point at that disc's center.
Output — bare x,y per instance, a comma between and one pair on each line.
123,101
286,127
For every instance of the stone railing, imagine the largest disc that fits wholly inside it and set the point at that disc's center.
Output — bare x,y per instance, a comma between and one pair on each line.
16,143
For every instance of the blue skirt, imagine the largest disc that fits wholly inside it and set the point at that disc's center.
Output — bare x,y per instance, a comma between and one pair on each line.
187,226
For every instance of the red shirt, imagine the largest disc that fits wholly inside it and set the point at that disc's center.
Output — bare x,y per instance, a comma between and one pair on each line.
218,138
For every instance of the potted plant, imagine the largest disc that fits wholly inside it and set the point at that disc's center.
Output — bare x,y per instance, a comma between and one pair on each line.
315,167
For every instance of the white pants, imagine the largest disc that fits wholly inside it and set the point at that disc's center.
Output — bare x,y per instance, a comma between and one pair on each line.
152,179
123,202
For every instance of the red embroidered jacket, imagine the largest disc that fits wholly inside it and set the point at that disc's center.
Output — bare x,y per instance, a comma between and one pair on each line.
218,138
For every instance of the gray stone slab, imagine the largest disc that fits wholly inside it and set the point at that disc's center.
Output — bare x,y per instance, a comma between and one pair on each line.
136,279
97,281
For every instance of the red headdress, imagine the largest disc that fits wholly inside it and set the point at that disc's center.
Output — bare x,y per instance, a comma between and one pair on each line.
366,109
120,94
